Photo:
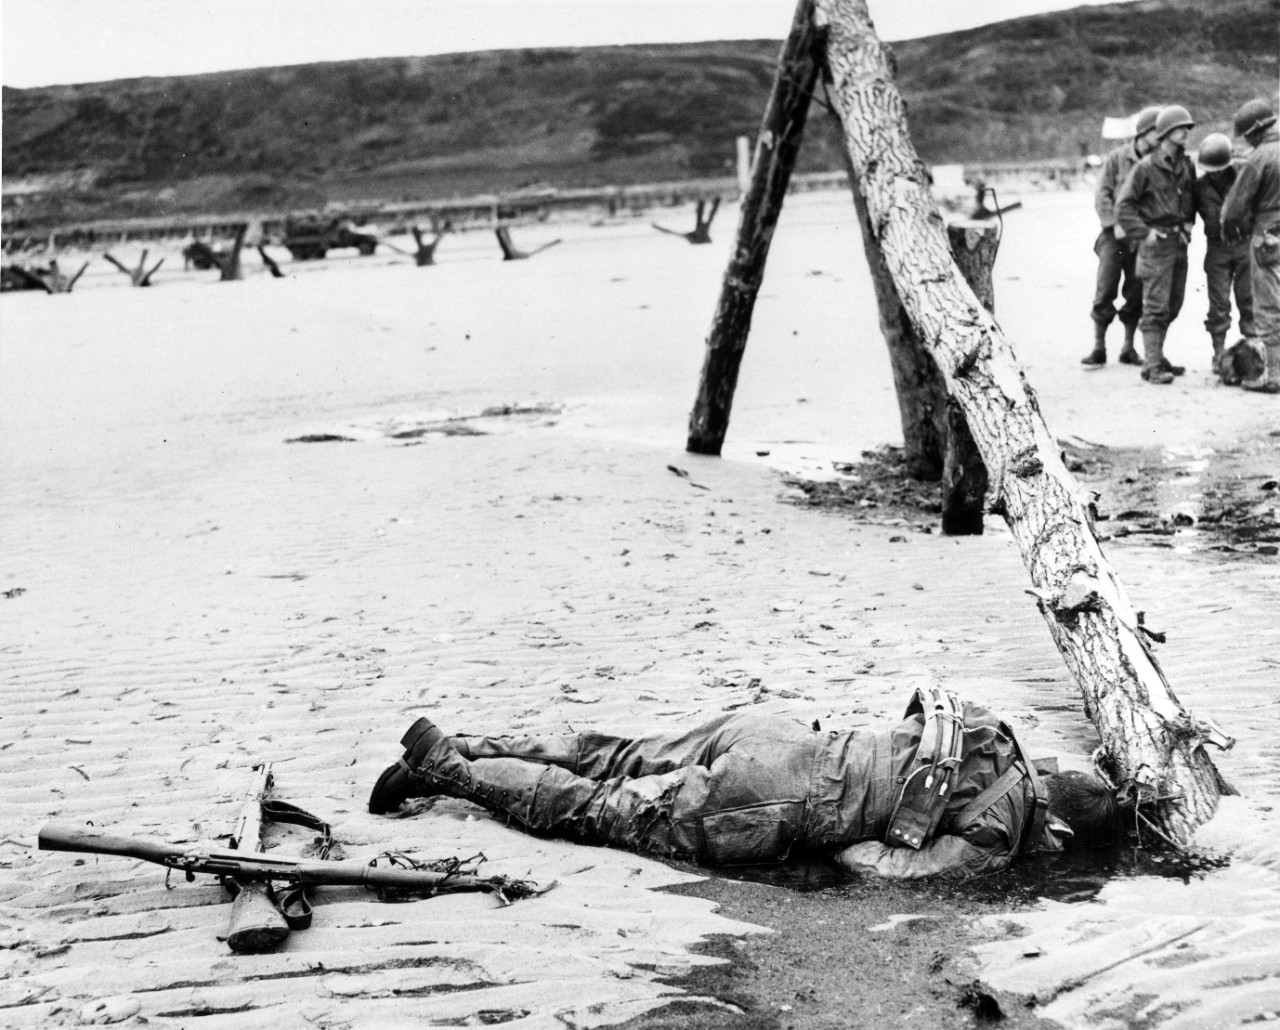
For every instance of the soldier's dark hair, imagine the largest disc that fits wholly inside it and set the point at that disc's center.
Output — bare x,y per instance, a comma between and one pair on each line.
1087,805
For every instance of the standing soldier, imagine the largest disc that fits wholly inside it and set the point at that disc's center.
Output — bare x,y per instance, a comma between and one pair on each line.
1226,257
1117,255
1156,207
1253,206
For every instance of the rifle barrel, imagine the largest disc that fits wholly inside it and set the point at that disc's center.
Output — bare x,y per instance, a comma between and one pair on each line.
247,866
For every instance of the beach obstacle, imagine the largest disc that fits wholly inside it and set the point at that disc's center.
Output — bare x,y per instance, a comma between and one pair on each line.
270,263
1152,748
510,252
424,252
701,232
140,276
47,278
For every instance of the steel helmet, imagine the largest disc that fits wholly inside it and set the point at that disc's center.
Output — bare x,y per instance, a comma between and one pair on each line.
1146,120
1170,118
1253,116
1215,153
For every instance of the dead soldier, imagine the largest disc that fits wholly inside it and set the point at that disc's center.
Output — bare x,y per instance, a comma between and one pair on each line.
947,791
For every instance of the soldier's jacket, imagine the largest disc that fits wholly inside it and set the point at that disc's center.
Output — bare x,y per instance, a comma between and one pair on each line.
990,842
1210,191
1159,194
1115,170
1254,200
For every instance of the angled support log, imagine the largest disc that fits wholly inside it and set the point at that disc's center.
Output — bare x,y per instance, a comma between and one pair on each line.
780,134
270,262
510,252
139,276
701,232
1152,746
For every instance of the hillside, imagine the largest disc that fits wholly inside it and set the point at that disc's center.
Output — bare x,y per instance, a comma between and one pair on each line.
424,127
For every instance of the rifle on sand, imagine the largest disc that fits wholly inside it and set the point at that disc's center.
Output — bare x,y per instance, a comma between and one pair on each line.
399,877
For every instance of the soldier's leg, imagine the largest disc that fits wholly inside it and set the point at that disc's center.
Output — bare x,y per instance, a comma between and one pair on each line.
1177,293
1131,310
1106,285
601,756
752,803
1242,277
1155,267
1265,262
1217,277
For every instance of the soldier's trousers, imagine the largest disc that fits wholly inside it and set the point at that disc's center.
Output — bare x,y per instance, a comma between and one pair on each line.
1227,270
1162,267
1116,265
1264,260
733,790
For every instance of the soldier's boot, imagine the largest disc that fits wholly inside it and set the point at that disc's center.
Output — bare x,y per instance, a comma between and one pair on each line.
1269,380
1172,369
1097,357
433,766
1153,370
1128,353
1219,348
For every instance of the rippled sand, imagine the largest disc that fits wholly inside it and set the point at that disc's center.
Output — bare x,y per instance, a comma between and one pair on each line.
192,594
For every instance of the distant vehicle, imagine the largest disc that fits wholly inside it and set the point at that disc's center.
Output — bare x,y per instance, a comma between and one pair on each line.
309,239
199,255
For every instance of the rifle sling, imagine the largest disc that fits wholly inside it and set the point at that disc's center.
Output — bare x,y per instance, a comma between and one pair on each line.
294,902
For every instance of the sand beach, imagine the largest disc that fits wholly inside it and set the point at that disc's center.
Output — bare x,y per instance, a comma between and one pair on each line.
497,524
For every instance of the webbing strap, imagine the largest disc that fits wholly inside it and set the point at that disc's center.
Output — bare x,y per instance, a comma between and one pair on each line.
1003,784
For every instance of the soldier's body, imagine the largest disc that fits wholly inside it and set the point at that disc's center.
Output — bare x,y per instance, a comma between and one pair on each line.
1156,207
1117,255
1226,256
946,791
1252,209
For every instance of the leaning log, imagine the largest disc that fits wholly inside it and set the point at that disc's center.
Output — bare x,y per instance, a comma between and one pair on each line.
776,149
1152,746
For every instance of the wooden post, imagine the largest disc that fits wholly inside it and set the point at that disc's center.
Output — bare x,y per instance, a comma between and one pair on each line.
1151,746
964,476
922,395
776,149
229,263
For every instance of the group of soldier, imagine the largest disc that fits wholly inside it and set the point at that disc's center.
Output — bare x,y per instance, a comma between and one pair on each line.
1148,198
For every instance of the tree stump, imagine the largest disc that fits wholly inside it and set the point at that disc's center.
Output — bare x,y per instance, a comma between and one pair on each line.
1151,745
776,147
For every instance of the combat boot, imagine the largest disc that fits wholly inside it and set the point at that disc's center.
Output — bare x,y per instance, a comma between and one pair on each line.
1219,348
1128,354
1097,357
1269,380
1153,370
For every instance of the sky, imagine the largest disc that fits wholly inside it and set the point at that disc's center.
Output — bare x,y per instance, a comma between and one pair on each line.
51,42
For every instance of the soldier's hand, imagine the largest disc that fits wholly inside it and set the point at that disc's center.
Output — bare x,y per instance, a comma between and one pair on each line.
1118,230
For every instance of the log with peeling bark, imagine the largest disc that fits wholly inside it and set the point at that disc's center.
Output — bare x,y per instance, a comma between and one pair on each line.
1152,745
776,148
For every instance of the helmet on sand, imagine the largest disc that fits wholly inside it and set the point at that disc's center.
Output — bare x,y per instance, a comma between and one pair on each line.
1215,153
1146,120
1174,117
1254,116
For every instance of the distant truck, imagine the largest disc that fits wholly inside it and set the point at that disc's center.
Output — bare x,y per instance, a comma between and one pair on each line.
309,238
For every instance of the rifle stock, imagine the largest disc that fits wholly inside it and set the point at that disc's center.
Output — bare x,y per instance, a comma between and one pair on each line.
246,866
256,923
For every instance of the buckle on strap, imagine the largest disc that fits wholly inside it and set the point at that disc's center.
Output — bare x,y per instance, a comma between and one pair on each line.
928,786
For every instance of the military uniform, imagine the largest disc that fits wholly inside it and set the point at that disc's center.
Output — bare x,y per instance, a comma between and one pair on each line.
1155,207
1117,258
1252,209
1226,260
746,789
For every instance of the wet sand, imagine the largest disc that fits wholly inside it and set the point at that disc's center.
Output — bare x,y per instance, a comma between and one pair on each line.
193,594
